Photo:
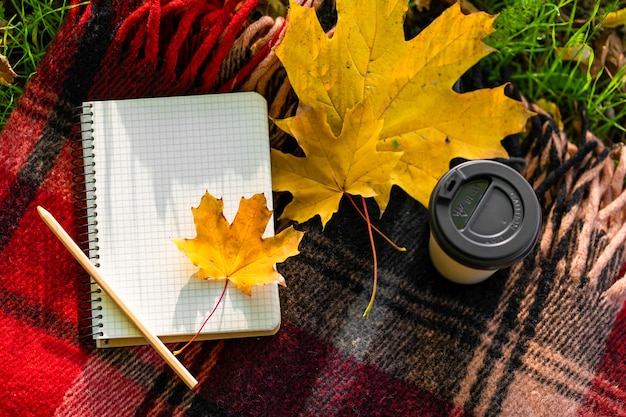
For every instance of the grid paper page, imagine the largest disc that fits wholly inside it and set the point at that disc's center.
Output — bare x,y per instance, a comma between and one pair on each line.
154,159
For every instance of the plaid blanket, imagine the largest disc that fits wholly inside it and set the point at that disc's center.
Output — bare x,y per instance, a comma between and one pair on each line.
546,337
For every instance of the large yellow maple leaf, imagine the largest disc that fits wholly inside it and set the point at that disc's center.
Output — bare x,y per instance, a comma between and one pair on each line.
407,87
237,251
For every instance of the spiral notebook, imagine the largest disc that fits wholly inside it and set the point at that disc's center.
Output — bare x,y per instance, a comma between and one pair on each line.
147,162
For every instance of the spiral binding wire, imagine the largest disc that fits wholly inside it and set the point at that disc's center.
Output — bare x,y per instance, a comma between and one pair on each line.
85,205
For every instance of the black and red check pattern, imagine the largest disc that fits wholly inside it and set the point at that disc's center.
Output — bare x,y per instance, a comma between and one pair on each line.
546,337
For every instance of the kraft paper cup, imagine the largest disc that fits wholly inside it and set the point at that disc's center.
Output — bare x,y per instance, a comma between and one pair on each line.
484,216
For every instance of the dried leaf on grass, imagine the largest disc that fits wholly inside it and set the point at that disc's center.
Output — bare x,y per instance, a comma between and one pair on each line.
7,75
609,55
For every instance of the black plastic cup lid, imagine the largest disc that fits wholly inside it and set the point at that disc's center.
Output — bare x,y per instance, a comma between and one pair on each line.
484,215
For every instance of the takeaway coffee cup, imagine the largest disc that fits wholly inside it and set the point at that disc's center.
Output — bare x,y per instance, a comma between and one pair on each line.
483,216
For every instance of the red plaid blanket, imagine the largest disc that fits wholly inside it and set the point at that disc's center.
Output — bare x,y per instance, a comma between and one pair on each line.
546,337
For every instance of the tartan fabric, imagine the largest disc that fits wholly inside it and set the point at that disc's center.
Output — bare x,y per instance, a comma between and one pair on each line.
546,337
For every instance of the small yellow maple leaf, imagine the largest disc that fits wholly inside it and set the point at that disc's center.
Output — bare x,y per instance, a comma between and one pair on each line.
405,85
238,252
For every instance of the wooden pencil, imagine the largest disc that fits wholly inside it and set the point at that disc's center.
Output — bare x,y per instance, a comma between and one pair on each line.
84,261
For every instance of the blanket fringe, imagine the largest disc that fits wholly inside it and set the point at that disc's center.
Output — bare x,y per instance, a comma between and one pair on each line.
260,39
192,44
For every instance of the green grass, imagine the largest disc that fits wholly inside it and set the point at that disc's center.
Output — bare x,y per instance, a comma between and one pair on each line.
27,29
532,38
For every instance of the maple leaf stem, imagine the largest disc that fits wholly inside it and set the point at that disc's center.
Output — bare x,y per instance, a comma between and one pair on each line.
219,301
380,233
366,313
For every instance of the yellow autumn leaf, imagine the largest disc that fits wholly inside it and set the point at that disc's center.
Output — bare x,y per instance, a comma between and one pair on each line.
614,19
334,165
406,85
238,252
